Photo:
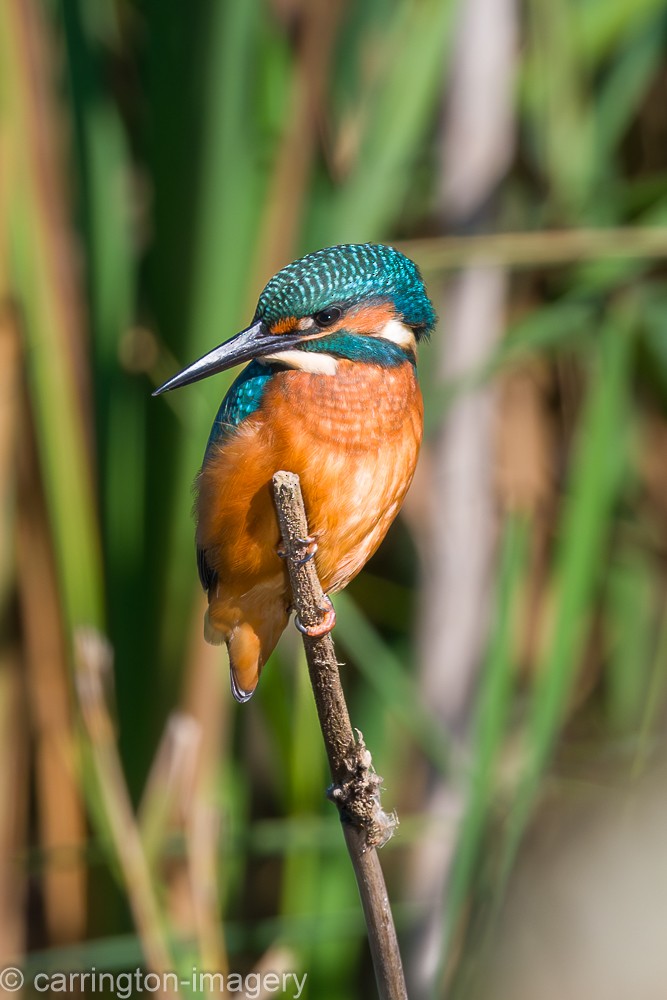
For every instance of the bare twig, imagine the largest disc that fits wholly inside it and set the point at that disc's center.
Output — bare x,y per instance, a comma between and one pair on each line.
355,788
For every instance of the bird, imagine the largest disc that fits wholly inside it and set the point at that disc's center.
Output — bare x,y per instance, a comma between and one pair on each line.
330,393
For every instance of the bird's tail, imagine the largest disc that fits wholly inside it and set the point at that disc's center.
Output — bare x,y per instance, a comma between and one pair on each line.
250,641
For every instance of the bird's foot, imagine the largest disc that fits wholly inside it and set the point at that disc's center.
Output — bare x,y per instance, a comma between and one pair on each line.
324,626
309,544
310,548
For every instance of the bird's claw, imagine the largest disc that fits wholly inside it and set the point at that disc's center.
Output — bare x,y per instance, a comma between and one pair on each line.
310,545
324,626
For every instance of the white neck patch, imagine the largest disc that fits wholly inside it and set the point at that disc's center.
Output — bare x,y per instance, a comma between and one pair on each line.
305,361
398,333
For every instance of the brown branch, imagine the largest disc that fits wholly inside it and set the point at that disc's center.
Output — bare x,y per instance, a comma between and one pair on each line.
356,787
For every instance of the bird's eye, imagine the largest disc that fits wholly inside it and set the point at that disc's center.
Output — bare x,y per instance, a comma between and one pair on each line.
326,317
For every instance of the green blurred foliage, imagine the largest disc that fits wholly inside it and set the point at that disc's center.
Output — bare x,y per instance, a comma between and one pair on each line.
179,127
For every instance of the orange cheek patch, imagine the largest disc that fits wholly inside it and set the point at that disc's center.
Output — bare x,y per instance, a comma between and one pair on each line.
287,325
370,319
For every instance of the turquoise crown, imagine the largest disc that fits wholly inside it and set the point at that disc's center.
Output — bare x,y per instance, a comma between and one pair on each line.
344,275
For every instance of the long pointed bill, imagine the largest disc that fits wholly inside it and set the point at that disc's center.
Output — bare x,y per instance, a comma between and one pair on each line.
254,342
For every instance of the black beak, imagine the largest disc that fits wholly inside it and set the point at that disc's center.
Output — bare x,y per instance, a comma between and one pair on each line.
255,342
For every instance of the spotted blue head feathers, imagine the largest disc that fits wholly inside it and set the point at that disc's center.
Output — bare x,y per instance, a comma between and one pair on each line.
344,275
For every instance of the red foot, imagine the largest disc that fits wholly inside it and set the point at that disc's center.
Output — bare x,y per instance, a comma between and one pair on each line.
324,626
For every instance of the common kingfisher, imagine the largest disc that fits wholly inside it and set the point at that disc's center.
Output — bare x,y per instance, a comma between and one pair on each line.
331,393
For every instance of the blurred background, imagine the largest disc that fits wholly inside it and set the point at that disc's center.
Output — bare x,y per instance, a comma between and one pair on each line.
505,651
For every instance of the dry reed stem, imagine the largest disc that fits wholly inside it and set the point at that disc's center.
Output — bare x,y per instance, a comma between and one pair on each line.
204,701
546,248
93,671
60,810
355,789
477,146
13,808
14,736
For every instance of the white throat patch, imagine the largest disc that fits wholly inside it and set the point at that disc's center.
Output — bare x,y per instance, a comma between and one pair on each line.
305,361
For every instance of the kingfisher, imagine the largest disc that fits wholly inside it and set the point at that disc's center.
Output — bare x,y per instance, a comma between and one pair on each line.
331,393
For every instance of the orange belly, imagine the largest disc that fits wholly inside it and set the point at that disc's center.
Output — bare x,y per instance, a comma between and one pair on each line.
353,440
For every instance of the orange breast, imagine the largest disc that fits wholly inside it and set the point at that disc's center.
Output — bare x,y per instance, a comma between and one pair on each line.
352,438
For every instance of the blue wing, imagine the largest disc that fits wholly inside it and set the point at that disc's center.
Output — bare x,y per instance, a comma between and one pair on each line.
242,400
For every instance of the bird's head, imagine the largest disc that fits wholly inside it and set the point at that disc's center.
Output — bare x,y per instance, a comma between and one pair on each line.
358,301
